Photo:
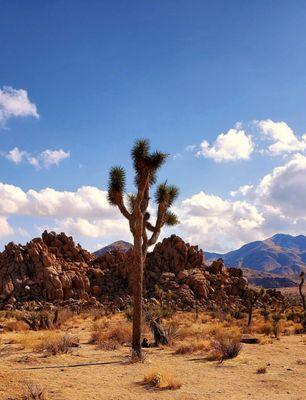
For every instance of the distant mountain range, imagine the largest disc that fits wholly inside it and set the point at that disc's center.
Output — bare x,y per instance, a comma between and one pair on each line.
274,262
280,254
120,245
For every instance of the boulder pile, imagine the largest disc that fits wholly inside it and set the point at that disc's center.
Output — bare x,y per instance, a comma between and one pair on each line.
178,269
54,269
51,268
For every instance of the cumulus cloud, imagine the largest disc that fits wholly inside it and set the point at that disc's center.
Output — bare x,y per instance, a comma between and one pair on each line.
85,212
45,159
15,155
85,202
277,203
231,146
242,191
283,137
218,224
15,103
5,228
53,157
285,188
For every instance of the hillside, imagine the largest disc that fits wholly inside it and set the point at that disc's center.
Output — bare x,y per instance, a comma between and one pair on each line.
268,280
280,254
120,245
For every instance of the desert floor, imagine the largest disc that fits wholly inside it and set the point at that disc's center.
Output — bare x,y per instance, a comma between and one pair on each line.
88,373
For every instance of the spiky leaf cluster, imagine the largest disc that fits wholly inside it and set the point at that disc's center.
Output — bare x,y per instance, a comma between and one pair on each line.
166,194
171,219
146,163
116,184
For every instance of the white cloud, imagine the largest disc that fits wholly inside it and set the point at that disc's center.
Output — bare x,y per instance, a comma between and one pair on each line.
5,228
93,228
283,137
231,146
33,161
285,188
190,147
44,159
276,204
53,157
218,224
242,190
15,103
15,155
85,212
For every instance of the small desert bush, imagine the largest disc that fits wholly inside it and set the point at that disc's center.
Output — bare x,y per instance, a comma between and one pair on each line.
57,344
110,337
192,346
261,370
33,392
63,315
162,380
153,311
221,331
38,320
27,339
18,389
261,327
16,326
226,348
172,331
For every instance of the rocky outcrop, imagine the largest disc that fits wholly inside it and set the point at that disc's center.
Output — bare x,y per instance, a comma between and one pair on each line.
54,269
51,268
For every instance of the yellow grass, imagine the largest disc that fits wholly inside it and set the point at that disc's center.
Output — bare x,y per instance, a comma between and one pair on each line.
161,379
57,343
192,346
111,334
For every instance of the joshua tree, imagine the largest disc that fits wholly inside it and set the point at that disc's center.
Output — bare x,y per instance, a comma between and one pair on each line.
303,297
253,297
301,290
276,317
145,234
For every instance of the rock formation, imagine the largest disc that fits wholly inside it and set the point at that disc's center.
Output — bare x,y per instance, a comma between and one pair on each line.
54,269
51,268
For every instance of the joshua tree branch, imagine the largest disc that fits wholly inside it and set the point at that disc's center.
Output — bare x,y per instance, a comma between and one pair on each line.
150,227
122,208
162,209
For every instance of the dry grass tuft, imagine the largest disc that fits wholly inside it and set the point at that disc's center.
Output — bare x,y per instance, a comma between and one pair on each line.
16,326
109,337
57,343
162,380
261,370
192,346
33,392
226,348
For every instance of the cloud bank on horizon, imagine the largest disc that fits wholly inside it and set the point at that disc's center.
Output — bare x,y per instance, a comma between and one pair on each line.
275,203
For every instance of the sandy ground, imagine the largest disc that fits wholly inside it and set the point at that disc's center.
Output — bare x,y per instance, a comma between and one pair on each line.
89,373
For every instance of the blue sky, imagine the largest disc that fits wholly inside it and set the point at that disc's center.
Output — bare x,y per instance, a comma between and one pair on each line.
99,74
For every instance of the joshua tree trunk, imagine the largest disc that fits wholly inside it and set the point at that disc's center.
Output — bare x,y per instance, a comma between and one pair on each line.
250,315
301,291
303,298
137,283
253,297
